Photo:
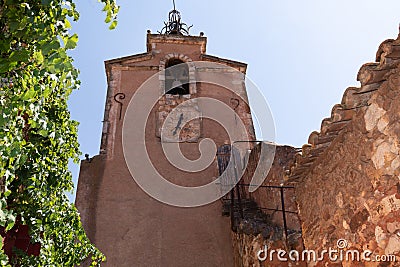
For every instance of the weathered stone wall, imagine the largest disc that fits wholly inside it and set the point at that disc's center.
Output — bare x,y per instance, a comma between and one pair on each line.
348,175
270,198
262,228
247,249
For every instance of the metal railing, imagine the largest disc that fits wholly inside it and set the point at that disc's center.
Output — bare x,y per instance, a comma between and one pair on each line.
282,200
235,197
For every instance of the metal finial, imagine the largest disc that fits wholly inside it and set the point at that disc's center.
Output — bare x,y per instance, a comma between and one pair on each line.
174,24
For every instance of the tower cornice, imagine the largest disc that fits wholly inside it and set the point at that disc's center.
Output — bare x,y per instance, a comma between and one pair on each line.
176,39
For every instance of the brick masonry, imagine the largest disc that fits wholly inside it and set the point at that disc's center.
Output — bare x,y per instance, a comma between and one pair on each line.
347,178
348,175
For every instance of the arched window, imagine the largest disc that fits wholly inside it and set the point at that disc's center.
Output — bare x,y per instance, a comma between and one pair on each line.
176,78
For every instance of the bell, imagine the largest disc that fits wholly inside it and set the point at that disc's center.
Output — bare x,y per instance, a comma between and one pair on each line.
177,88
177,85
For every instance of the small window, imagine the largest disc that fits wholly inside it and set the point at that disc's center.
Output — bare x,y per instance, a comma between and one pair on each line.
177,78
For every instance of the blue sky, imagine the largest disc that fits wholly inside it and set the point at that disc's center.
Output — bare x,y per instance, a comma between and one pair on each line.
301,54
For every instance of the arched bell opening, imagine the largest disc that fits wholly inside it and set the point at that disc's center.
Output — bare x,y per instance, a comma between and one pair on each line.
176,78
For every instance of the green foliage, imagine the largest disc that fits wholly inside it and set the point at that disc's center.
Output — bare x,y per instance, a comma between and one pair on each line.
37,135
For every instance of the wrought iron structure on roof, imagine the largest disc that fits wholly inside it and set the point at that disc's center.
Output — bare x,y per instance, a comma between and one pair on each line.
174,25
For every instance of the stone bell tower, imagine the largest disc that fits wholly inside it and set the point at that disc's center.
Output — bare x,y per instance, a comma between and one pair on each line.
128,225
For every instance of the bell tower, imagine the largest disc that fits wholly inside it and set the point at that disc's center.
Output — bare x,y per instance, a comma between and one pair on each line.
137,224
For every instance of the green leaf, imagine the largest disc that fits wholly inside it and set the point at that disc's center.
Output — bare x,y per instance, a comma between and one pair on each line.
29,95
67,23
20,55
71,42
13,24
43,133
107,7
50,46
23,159
5,66
46,2
38,56
11,222
113,25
